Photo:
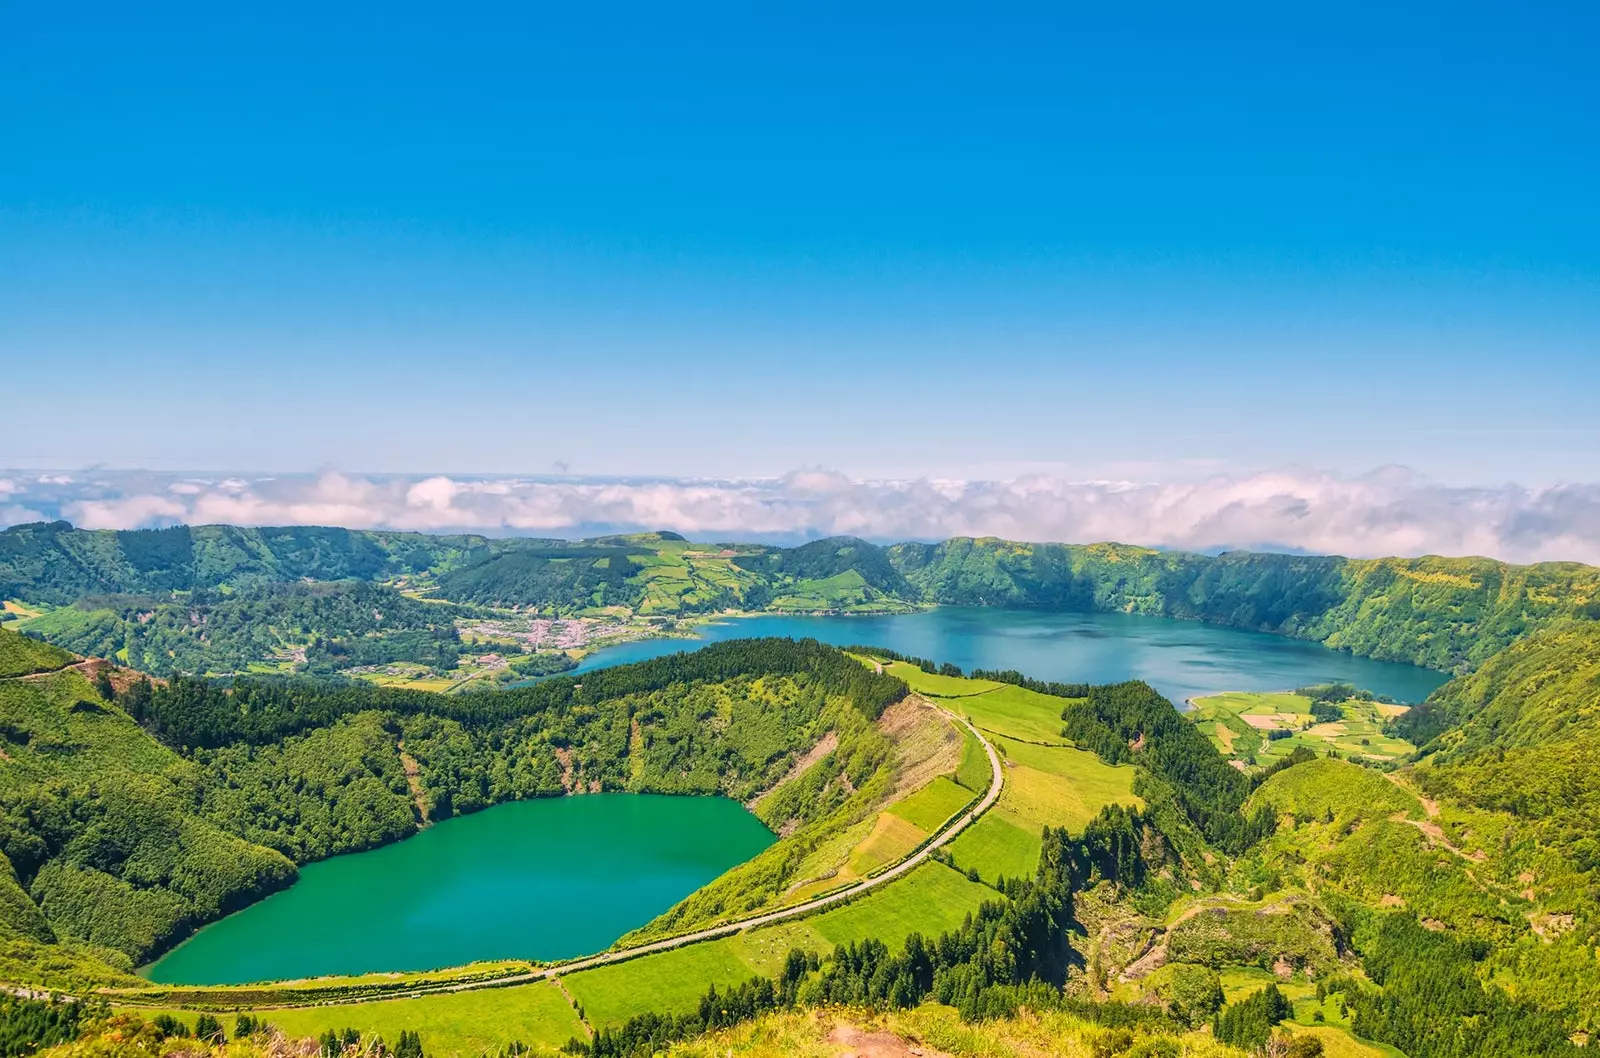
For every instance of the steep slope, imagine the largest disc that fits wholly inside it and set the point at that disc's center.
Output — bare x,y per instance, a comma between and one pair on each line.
125,824
97,822
1522,735
1444,613
21,656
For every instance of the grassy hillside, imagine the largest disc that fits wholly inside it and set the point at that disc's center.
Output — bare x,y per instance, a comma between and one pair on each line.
21,656
1446,908
1384,855
1526,739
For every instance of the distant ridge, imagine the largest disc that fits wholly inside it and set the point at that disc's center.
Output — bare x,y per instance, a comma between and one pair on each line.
1445,613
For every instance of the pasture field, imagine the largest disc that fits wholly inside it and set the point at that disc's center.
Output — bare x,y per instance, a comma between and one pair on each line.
973,771
1044,785
14,610
1338,1043
931,806
1238,724
1047,780
1241,981
670,981
891,838
998,846
937,686
452,1025
930,900
1014,712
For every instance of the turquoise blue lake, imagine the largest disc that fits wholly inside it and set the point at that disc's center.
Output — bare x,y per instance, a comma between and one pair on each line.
544,879
1181,659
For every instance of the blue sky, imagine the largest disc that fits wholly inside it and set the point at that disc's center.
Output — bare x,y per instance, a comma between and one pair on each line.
1125,240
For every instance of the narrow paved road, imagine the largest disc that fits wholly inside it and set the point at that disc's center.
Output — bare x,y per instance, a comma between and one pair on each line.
905,866
910,863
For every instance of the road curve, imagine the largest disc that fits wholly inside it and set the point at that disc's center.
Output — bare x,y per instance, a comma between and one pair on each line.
910,863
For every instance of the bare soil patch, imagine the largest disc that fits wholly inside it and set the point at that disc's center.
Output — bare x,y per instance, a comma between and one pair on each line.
826,745
858,1043
414,782
564,758
927,741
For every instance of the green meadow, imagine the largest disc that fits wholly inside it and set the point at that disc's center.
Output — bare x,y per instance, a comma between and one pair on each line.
1256,728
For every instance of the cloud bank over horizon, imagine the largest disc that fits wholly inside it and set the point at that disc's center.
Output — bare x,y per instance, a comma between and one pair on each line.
1388,512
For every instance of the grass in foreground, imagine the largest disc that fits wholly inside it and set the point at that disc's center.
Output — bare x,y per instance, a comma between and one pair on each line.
931,806
928,1029
933,899
1015,712
464,1024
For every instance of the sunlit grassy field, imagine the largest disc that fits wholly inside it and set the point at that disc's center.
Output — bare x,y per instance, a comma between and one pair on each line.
1044,786
931,806
891,838
464,1024
933,684
1015,712
931,900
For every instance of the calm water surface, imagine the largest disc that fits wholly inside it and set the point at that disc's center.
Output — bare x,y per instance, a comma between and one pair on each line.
1181,659
542,879
556,878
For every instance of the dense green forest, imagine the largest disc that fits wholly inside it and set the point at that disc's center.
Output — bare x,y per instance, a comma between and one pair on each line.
127,821
1444,613
324,626
211,598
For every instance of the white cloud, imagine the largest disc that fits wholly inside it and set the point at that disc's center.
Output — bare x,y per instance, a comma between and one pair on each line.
1390,511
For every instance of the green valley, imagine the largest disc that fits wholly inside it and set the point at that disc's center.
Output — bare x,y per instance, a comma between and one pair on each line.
1310,869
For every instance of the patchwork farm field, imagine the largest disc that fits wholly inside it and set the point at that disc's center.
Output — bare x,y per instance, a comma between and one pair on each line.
1048,781
1263,727
1044,786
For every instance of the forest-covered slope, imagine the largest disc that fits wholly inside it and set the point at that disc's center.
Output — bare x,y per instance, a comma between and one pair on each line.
1445,613
1522,735
1462,926
128,817
53,564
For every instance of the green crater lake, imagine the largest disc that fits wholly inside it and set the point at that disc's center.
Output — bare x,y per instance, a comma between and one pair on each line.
543,879
557,878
